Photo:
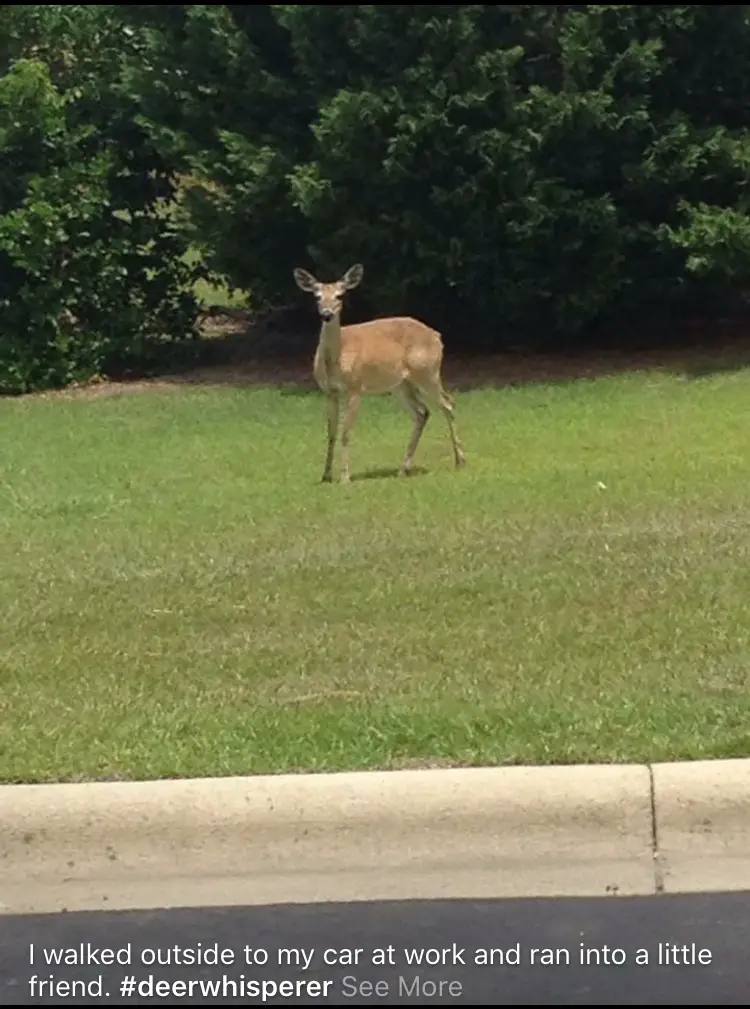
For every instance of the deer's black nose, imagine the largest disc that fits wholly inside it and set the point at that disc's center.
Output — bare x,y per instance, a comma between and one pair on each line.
326,314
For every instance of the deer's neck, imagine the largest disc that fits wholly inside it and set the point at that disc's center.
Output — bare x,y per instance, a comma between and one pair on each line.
330,342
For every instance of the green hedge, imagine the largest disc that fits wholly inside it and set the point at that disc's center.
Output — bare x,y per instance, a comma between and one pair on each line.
511,173
91,271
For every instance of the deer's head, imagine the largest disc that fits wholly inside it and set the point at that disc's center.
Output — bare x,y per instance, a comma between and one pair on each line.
330,297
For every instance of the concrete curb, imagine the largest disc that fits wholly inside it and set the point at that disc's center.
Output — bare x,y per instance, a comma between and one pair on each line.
702,824
470,833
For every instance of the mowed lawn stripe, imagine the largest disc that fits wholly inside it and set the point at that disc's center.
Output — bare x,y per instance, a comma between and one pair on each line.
181,596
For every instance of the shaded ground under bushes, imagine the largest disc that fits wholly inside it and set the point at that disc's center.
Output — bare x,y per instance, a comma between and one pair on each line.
238,350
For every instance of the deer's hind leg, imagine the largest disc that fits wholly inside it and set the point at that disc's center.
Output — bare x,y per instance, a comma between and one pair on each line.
420,414
432,389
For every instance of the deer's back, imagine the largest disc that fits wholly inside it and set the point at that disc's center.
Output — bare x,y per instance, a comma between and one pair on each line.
384,352
377,356
401,331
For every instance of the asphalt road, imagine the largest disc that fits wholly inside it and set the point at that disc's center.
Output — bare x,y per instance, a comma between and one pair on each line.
247,942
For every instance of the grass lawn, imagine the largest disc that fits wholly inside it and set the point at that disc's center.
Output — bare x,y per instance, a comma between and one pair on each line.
180,595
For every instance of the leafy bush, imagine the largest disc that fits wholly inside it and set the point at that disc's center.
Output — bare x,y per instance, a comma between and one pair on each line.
91,271
221,99
511,173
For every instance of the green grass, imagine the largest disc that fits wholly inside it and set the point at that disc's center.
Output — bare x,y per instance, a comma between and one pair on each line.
180,596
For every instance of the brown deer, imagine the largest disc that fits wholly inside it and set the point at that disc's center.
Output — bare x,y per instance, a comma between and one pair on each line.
375,357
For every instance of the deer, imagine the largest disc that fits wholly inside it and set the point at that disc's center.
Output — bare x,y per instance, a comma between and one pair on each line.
397,354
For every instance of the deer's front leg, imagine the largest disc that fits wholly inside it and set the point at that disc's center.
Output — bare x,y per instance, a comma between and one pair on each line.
332,402
349,418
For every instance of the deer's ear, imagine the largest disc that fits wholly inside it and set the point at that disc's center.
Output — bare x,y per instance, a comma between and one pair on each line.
353,277
304,280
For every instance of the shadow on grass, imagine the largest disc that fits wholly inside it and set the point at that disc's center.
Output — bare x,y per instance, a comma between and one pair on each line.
713,365
239,350
388,473
299,390
280,353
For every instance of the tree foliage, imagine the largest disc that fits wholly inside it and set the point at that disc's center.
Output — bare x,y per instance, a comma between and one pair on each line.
513,172
91,274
